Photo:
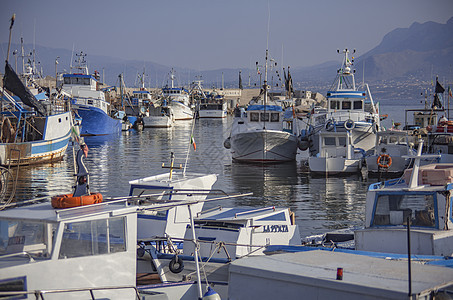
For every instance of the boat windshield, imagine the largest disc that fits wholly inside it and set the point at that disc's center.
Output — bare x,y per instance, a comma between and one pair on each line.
93,237
394,209
35,238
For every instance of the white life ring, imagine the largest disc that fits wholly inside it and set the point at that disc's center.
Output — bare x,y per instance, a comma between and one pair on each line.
349,124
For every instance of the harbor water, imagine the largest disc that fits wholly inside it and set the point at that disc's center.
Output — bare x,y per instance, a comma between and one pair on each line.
320,203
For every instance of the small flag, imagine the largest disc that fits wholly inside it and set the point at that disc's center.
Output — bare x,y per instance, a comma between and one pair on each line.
449,92
439,88
192,141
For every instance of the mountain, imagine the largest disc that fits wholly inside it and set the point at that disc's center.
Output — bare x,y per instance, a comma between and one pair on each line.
418,51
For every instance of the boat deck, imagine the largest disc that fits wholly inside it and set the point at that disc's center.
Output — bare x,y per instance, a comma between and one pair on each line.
313,274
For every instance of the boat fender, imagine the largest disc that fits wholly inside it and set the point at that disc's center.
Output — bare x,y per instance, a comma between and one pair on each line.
349,124
211,295
384,161
330,125
176,265
303,144
227,143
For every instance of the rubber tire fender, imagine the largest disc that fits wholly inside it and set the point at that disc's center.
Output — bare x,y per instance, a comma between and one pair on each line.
176,264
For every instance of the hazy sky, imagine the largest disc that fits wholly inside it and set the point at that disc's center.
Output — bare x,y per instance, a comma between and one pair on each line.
211,34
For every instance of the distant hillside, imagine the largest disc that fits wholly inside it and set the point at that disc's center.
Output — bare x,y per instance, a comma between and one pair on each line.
419,51
414,53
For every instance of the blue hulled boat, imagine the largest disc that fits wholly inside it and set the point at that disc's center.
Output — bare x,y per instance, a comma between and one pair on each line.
88,101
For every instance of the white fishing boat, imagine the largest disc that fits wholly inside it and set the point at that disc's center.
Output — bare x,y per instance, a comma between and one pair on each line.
30,136
223,235
159,116
348,110
262,133
337,155
389,153
420,200
171,222
178,99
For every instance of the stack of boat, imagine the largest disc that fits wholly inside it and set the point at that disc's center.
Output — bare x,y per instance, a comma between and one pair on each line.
338,139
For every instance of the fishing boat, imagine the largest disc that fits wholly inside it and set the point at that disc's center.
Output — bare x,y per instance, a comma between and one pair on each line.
213,107
160,116
88,101
389,155
417,205
33,136
178,99
337,155
262,134
348,110
420,199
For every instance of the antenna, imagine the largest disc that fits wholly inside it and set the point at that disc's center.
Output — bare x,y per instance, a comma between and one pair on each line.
268,22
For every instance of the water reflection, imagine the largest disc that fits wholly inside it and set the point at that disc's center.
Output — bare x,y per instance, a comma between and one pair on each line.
320,204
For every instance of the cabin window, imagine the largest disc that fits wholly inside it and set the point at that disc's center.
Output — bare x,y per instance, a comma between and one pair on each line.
90,102
342,141
67,80
86,81
275,117
334,104
329,141
358,104
28,236
264,117
394,209
393,139
93,237
254,117
346,105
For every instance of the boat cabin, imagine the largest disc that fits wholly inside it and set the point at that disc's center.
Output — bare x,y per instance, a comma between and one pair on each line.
164,187
40,247
245,231
427,207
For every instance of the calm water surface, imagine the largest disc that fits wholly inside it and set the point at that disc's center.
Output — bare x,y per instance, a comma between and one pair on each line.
321,204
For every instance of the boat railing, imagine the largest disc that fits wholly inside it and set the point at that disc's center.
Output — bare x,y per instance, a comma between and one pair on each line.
25,253
39,294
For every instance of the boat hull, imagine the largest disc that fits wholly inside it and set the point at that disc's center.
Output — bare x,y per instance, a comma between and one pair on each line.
158,122
266,146
205,113
96,122
52,147
181,111
399,164
333,165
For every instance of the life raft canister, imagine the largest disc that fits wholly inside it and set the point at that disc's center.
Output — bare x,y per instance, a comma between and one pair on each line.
68,201
384,161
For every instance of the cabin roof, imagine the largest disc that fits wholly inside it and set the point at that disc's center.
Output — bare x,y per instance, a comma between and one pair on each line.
45,212
242,214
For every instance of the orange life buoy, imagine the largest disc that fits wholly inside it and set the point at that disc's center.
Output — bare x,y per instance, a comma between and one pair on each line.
384,161
68,201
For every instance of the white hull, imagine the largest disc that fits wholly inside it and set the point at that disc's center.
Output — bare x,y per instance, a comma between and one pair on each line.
205,113
264,146
334,165
398,165
51,147
181,111
158,122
